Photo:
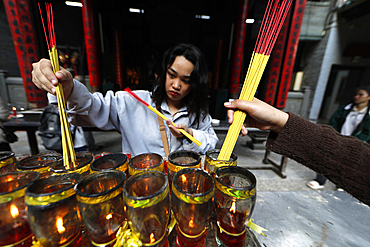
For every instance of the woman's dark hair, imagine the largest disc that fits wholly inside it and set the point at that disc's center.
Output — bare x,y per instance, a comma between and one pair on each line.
197,99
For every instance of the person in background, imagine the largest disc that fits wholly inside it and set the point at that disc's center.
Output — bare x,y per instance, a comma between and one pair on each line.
180,93
352,120
4,113
344,160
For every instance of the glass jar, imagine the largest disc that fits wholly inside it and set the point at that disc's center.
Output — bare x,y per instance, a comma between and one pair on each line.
235,199
15,229
7,162
52,210
83,161
145,162
117,161
181,159
212,163
192,205
100,203
40,163
146,195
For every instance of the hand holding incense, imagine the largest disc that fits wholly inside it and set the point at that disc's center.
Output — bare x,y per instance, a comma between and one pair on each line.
67,143
198,143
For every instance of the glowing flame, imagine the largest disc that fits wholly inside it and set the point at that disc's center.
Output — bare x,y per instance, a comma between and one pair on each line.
14,211
183,178
59,225
109,216
233,208
191,223
152,239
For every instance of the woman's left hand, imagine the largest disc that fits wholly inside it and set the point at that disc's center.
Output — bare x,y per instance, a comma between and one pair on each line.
175,129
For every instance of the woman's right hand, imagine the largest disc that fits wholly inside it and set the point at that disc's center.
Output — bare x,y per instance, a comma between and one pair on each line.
259,115
45,79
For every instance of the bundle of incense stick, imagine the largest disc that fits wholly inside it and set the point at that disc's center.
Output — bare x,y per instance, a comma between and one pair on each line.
69,156
273,20
198,143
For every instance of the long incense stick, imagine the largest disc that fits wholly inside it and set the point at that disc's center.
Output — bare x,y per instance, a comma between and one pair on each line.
67,143
272,23
198,143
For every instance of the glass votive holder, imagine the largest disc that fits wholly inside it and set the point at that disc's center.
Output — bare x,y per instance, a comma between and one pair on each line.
146,195
96,156
40,163
235,198
7,162
145,162
192,205
83,161
52,210
117,161
181,159
20,157
100,204
212,163
15,229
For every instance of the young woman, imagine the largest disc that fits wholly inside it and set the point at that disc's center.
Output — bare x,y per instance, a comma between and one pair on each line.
179,93
350,120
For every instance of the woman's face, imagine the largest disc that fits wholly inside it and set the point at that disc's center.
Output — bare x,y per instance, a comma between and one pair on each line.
178,80
361,96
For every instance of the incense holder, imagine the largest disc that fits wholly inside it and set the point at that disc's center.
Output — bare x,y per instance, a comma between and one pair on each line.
146,195
235,198
15,229
83,161
52,210
212,163
181,159
145,162
101,207
118,161
192,205
40,163
7,162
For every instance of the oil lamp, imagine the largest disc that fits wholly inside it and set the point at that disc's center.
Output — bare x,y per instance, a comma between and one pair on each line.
191,202
40,163
235,198
212,163
83,161
15,230
101,207
181,159
146,195
145,162
117,161
7,162
52,210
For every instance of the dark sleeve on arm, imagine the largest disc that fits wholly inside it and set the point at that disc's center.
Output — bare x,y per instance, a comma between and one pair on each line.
345,160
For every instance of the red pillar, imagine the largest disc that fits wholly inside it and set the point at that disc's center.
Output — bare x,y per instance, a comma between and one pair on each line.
291,52
118,58
238,49
276,61
25,45
91,44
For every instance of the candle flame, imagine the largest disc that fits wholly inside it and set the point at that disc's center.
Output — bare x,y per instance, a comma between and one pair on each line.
191,223
59,225
233,208
183,178
109,216
14,211
152,239
14,108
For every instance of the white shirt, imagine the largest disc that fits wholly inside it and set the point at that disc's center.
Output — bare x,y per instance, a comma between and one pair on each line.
138,125
352,120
